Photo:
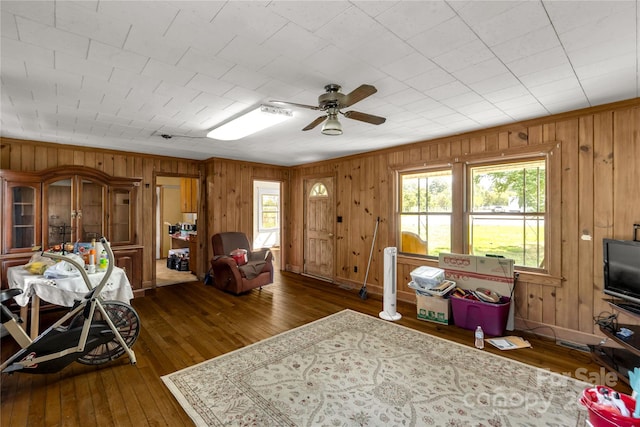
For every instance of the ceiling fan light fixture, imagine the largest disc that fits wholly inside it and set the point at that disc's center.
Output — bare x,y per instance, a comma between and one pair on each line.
332,126
251,122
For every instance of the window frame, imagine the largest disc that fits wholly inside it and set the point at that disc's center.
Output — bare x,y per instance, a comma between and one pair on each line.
469,213
269,193
551,152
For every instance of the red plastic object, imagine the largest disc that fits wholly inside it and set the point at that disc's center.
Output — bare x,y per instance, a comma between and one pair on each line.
606,416
240,256
468,314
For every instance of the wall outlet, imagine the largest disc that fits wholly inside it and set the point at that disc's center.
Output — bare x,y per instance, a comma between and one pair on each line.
355,268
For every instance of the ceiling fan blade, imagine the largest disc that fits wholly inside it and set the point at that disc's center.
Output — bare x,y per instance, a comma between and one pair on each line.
310,107
315,123
364,117
357,95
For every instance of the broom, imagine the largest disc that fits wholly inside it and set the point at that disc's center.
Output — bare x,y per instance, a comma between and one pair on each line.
363,290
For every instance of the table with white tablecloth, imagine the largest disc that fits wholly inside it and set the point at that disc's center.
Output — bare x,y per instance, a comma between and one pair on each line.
63,291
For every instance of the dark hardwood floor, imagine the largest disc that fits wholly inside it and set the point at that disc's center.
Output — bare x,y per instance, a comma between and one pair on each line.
186,324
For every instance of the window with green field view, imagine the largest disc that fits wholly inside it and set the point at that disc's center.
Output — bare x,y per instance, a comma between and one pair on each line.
504,215
507,211
425,212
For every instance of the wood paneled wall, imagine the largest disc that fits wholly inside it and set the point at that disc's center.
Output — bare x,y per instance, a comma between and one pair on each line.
595,188
229,201
596,193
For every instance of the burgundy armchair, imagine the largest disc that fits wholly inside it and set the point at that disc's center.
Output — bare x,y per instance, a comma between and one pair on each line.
231,277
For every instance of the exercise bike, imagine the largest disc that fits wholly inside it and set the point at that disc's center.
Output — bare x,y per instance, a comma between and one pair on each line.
92,332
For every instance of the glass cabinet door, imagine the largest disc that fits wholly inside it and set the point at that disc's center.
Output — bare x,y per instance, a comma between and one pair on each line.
121,215
60,220
24,212
75,210
91,210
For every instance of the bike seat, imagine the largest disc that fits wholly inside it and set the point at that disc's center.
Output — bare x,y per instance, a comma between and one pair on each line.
7,294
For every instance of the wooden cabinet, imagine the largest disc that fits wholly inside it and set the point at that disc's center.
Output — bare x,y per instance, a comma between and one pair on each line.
69,204
188,195
21,214
130,260
66,205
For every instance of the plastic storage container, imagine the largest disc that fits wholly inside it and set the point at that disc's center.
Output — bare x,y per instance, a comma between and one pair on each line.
427,277
605,416
469,314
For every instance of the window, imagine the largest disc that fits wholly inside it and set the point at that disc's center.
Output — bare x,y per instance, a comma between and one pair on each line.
507,211
269,211
319,190
425,212
504,212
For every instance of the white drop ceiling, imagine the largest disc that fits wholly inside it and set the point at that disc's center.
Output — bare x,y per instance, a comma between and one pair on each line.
118,74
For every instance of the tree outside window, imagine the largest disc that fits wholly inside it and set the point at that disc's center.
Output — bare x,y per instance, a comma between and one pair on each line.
507,212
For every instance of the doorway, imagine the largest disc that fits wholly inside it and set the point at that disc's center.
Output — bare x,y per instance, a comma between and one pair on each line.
267,218
170,211
319,228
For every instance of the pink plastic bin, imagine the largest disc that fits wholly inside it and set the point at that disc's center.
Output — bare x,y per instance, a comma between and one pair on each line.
468,314
605,416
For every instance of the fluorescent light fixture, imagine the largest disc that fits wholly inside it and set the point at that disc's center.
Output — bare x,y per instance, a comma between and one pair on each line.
255,120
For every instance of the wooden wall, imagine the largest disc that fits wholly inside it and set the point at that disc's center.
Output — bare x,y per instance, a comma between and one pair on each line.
596,191
229,201
595,188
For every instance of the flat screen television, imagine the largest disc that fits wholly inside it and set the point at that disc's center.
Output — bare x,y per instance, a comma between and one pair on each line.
622,269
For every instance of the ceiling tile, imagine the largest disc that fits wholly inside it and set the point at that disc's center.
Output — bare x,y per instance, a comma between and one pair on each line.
26,52
433,78
75,65
407,19
295,42
512,22
247,53
39,11
408,66
115,57
151,43
310,15
162,71
208,84
442,38
528,44
8,27
464,56
75,18
51,38
257,21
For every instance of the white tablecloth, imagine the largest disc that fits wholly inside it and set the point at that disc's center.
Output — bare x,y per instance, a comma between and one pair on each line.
65,291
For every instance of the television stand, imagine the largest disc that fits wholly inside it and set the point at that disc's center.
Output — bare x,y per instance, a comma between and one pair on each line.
628,307
619,360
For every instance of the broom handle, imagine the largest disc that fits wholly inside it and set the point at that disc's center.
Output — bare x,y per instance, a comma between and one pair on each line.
373,241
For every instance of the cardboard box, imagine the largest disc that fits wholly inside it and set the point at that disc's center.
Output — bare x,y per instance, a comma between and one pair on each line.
434,309
472,272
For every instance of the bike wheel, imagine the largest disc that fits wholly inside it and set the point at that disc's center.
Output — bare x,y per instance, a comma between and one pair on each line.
126,321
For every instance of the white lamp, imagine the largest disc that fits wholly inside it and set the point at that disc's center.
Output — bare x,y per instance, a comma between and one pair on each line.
332,126
255,120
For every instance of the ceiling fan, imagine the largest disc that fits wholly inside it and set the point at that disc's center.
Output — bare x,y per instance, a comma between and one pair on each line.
332,102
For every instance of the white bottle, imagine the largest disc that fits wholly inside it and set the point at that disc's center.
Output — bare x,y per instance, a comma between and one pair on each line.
479,338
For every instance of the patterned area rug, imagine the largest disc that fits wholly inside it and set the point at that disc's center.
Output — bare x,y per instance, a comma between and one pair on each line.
351,369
